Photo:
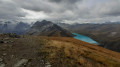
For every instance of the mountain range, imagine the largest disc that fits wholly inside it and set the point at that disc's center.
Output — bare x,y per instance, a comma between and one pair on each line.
11,27
46,44
107,34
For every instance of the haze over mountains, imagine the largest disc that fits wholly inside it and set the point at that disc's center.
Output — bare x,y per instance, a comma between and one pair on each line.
11,27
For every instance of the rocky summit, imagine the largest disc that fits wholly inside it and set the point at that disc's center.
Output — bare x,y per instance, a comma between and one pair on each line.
47,28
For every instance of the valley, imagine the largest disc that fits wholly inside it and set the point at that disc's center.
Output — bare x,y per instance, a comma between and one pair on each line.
107,34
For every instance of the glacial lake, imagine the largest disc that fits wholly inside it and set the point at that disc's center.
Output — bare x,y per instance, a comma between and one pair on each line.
84,38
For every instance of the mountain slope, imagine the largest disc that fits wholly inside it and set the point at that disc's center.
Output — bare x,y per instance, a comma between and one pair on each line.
47,28
11,27
107,34
85,54
22,28
37,51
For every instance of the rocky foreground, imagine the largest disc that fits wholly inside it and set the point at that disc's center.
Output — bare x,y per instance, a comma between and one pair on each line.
37,51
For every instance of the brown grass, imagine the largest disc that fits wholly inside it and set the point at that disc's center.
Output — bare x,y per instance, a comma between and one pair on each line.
86,54
59,52
90,46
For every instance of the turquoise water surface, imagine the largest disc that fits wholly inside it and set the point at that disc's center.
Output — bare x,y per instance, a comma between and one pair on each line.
84,38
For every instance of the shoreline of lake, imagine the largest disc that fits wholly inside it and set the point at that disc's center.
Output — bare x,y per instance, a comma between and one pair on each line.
84,38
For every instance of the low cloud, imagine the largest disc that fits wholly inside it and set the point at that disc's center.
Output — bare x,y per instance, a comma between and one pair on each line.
80,11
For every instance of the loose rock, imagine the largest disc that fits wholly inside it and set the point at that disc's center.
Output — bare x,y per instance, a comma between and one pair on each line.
20,63
4,54
1,41
1,59
2,65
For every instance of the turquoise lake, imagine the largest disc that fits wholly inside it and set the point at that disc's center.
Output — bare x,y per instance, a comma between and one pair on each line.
84,38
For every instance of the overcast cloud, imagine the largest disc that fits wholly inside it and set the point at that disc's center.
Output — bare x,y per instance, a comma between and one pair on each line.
68,11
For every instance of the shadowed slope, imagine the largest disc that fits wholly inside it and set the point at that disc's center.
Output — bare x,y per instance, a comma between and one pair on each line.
47,28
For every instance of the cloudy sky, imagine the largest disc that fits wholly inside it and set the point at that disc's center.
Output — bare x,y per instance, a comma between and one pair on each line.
69,11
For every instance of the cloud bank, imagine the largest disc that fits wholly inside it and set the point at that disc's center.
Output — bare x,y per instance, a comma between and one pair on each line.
69,11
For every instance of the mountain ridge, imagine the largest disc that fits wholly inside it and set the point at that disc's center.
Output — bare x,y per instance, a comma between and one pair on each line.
47,28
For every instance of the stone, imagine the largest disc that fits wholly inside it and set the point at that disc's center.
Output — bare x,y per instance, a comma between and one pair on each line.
4,54
6,38
1,59
1,41
2,65
6,41
47,64
20,63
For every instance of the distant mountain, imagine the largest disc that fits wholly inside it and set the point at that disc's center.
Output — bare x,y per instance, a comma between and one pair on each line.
112,22
107,34
10,27
47,28
22,28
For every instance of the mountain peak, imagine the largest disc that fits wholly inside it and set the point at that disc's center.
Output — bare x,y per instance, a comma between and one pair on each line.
47,28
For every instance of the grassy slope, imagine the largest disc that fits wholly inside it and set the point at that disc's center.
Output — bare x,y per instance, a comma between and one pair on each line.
106,34
84,54
58,51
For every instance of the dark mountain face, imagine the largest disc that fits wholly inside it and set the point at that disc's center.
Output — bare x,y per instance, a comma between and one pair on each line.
107,34
18,28
47,28
22,28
